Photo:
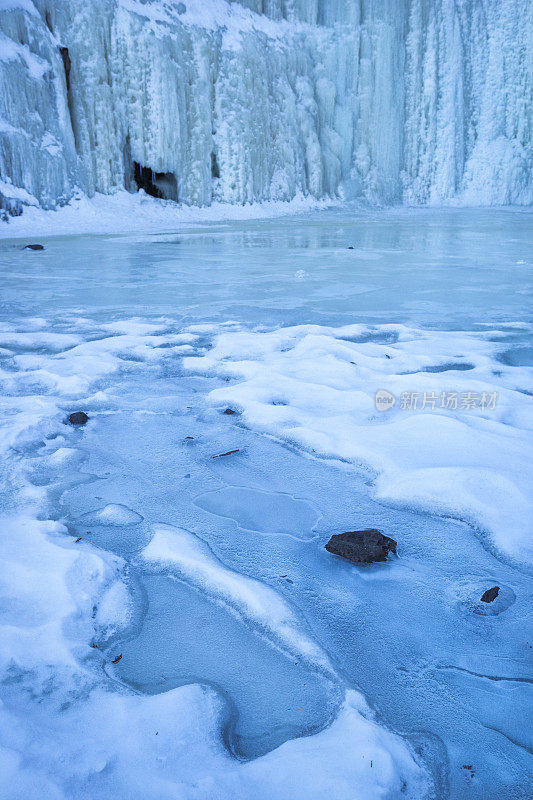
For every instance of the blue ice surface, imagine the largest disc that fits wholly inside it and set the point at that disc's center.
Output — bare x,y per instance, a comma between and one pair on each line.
262,510
454,268
410,633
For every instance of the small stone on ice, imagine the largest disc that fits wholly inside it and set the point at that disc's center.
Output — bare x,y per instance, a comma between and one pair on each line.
361,547
78,418
34,247
490,594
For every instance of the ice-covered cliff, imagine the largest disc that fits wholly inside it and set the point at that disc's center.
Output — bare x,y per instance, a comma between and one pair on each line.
425,101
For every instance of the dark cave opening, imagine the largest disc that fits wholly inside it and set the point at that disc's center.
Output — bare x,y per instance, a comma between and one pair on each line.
157,184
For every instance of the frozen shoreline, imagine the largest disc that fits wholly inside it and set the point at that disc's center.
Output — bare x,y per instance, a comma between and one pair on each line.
125,213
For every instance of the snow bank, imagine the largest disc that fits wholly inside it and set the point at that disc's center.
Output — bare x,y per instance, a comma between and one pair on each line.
123,212
165,746
316,387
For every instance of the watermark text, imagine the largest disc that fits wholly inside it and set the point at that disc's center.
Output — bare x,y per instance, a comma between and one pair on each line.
450,401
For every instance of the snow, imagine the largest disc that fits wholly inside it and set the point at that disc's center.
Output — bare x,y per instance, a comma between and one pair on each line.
122,212
170,622
114,609
17,193
12,5
163,633
321,774
114,514
10,51
133,747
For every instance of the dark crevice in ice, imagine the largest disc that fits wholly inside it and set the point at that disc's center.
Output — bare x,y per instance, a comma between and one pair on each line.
67,64
482,675
67,67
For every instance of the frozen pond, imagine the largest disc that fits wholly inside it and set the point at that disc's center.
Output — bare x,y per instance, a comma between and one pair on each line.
157,336
442,269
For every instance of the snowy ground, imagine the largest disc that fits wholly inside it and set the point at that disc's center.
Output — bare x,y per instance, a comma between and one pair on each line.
245,646
139,213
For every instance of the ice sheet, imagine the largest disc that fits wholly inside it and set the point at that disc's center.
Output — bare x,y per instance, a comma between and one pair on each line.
447,679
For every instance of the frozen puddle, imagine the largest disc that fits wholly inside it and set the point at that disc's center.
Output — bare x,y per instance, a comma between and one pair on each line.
204,623
189,637
262,511
207,624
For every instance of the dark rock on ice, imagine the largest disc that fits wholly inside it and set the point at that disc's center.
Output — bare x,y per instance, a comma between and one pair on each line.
229,411
490,594
361,547
34,247
78,418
